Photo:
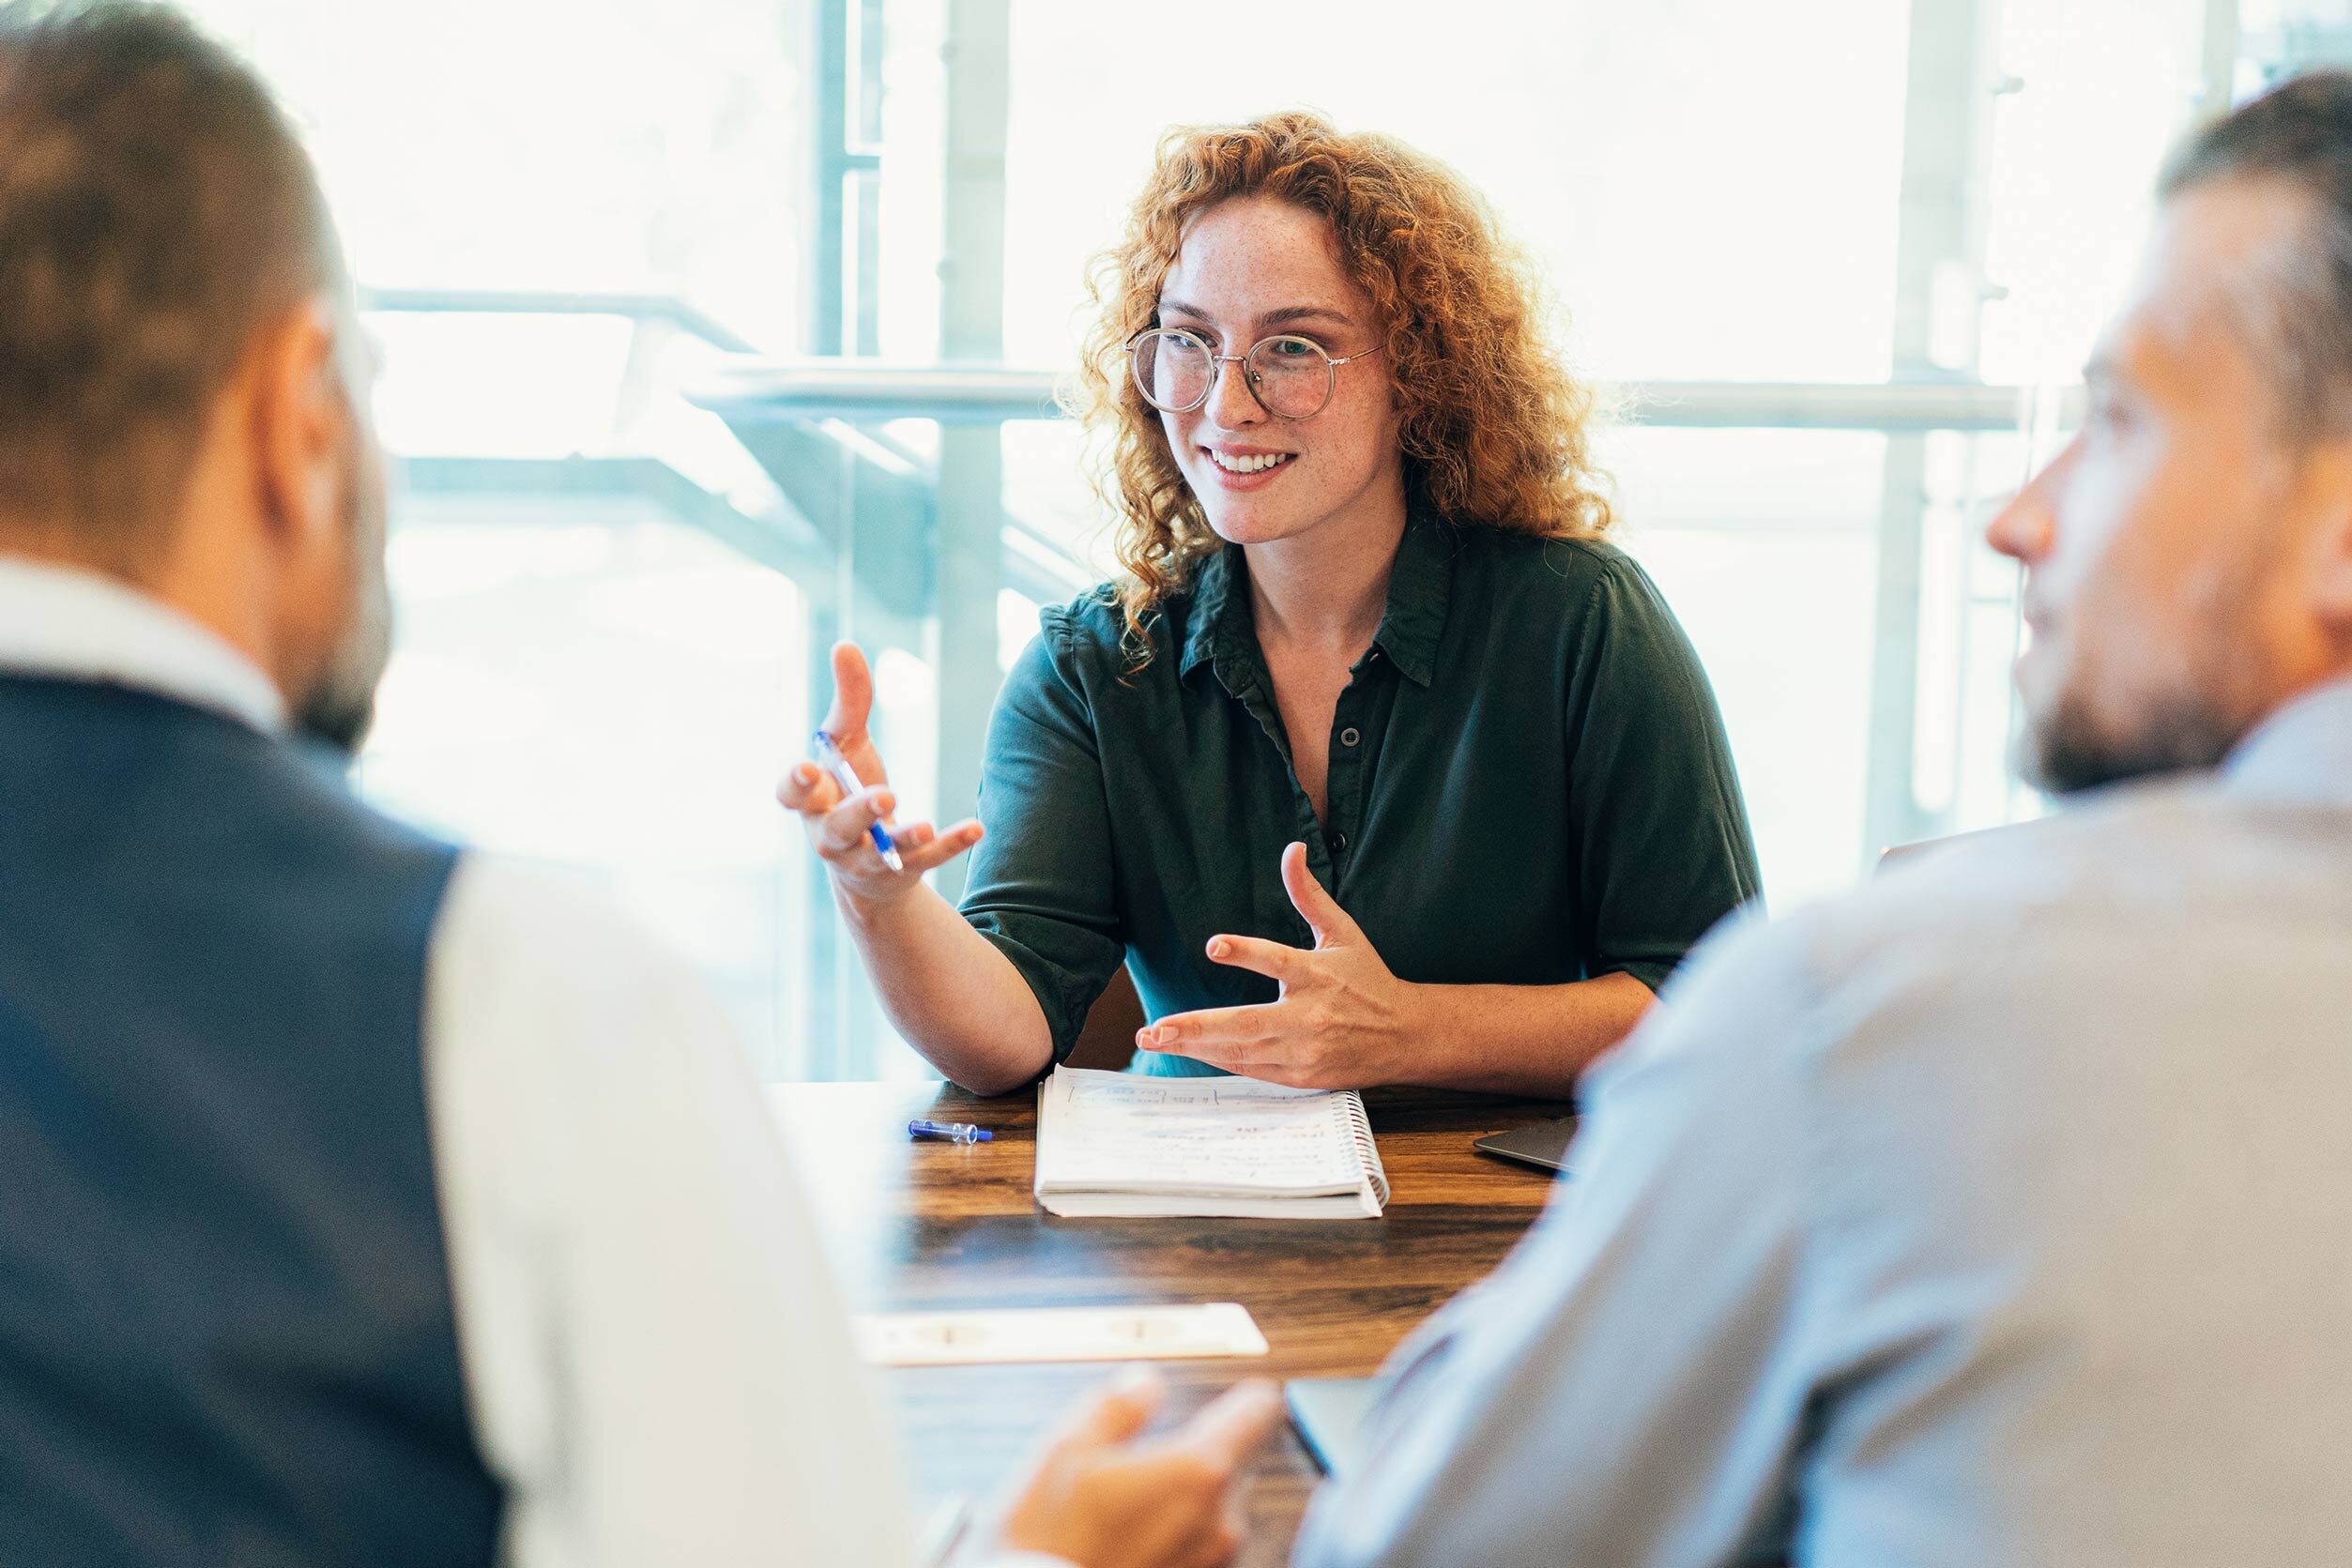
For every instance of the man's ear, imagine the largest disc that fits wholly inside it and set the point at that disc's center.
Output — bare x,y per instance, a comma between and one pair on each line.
301,416
2319,549
2331,573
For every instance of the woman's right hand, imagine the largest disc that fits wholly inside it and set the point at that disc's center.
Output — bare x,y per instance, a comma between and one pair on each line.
838,821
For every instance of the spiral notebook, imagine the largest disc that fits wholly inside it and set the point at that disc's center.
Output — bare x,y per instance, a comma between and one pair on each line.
1120,1144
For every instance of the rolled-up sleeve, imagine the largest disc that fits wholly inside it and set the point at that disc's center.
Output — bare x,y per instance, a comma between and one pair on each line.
1041,886
1655,817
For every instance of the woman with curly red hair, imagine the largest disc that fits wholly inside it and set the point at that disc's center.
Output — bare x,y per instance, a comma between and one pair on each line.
1379,765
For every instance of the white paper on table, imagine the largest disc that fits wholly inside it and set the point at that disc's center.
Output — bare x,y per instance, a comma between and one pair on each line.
1124,1145
1057,1334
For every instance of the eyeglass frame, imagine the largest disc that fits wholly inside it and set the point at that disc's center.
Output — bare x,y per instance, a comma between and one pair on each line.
1331,361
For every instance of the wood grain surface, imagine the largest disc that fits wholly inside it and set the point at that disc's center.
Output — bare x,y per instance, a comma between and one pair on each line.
933,1224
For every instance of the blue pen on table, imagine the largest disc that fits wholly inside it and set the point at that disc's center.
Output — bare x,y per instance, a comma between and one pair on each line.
955,1131
830,758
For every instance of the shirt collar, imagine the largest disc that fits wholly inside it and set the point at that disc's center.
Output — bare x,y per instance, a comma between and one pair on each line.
1208,622
1420,584
67,624
2303,752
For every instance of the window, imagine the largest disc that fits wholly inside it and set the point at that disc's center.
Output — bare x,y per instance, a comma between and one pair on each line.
1849,252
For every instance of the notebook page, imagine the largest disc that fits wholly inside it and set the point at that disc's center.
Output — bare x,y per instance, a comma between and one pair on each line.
1120,1130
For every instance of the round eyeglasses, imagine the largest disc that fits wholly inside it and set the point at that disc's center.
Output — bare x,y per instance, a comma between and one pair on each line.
1291,378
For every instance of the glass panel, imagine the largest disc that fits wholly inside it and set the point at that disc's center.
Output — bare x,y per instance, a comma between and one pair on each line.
2279,38
552,144
616,607
590,686
1766,544
2097,91
914,154
1711,186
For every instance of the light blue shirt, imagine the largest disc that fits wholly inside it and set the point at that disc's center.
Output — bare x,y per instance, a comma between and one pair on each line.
2000,1213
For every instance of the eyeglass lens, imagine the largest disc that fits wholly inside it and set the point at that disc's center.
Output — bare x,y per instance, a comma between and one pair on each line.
1291,376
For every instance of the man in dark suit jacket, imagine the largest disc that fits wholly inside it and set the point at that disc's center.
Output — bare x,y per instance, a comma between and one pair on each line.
361,1201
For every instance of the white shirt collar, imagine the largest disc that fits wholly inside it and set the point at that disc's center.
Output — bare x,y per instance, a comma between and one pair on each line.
61,622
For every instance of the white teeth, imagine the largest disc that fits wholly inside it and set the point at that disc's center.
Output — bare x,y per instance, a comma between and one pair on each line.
1247,465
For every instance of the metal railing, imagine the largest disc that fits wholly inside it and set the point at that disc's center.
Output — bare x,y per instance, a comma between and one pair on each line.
639,307
750,389
751,386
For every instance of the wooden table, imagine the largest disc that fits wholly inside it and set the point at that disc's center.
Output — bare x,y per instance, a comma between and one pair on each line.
932,1225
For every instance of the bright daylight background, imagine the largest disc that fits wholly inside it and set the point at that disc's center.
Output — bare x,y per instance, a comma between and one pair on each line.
574,216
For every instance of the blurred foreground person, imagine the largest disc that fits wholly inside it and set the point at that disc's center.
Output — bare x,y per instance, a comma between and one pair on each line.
361,1201
1999,1213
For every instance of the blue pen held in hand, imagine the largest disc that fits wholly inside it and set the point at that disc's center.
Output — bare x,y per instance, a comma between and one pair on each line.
955,1131
828,757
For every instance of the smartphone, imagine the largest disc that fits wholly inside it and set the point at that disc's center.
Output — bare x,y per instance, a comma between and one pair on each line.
1545,1145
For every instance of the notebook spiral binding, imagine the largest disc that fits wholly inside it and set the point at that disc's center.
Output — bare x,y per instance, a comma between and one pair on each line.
1349,1105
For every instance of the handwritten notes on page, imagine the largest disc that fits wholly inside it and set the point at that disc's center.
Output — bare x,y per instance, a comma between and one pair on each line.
1118,1144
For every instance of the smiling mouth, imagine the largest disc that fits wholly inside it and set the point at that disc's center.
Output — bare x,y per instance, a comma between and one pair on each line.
1258,463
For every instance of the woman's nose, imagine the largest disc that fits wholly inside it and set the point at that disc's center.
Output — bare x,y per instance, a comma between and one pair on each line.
1231,403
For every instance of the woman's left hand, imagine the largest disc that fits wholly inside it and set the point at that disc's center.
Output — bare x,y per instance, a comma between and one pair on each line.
1342,1020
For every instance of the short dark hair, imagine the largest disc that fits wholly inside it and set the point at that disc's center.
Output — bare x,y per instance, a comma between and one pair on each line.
2298,135
157,209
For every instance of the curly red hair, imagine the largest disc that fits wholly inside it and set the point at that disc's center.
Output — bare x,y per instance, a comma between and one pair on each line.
1495,432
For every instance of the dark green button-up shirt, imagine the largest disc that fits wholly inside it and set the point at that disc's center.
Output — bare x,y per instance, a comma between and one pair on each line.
1529,785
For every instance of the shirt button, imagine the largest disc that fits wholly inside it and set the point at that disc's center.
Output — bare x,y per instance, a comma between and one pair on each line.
1339,840
1350,735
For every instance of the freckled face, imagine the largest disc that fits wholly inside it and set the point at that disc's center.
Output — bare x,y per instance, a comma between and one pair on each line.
1252,267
